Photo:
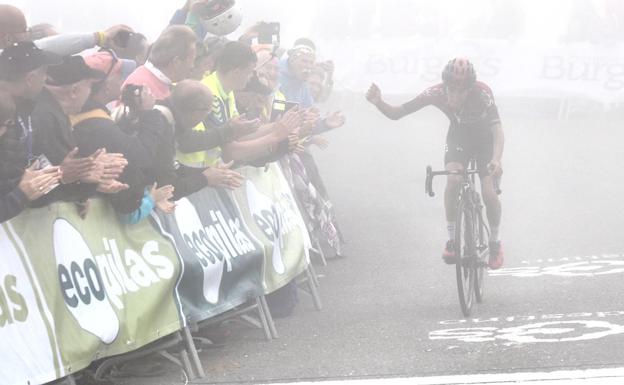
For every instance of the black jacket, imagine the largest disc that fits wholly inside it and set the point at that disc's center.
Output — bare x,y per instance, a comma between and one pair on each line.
189,140
140,150
13,162
185,180
54,138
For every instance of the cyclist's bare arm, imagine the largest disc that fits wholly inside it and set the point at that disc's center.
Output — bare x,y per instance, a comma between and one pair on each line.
498,135
499,141
392,112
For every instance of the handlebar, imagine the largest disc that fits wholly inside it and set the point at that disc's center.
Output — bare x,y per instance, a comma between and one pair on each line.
431,174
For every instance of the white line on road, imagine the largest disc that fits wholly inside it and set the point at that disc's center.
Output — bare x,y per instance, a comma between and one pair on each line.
610,376
576,258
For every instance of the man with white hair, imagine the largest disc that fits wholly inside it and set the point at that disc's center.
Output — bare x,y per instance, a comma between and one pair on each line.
171,60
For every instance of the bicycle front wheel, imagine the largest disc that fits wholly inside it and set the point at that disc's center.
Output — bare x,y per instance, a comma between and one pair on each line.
483,251
464,251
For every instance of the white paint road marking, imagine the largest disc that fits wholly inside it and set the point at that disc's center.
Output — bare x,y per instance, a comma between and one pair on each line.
591,268
543,332
573,259
610,376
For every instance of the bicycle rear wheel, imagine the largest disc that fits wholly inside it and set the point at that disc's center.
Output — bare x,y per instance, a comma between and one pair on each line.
464,250
482,246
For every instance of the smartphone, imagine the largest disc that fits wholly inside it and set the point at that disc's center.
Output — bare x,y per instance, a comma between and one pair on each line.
43,162
280,107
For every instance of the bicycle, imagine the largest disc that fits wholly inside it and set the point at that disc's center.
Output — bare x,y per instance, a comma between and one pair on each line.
471,237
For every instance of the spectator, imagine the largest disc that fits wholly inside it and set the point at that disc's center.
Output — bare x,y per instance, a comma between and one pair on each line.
316,82
171,59
305,178
136,49
202,66
235,68
294,73
13,29
18,185
136,117
188,105
207,54
66,91
23,70
41,31
94,128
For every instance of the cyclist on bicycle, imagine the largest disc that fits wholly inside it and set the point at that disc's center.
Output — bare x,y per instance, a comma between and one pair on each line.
475,133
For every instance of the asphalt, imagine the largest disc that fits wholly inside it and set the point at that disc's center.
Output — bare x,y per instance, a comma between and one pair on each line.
391,308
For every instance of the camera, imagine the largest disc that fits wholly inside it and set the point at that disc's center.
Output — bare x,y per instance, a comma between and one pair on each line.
131,96
123,37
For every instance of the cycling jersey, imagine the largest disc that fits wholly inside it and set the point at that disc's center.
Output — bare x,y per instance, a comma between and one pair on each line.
470,131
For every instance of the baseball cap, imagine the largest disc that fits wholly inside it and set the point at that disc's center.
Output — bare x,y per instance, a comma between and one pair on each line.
106,62
72,70
23,57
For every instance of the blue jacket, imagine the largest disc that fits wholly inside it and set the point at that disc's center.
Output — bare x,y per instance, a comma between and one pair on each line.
296,90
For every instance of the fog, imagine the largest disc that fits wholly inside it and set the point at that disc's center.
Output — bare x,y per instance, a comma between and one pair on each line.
529,47
556,68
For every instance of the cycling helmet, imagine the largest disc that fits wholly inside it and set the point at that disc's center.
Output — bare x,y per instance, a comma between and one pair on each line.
221,17
459,73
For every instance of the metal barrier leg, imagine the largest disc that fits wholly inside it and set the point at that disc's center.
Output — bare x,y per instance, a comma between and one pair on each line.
314,291
314,275
187,365
267,312
263,319
156,347
319,250
192,350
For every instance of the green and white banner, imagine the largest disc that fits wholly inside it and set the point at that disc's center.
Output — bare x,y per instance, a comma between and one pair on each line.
268,206
78,290
222,259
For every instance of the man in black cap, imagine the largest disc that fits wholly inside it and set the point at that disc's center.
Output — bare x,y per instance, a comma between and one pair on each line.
67,89
23,69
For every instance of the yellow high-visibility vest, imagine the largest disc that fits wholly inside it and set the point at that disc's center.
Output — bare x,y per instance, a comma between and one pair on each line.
223,109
